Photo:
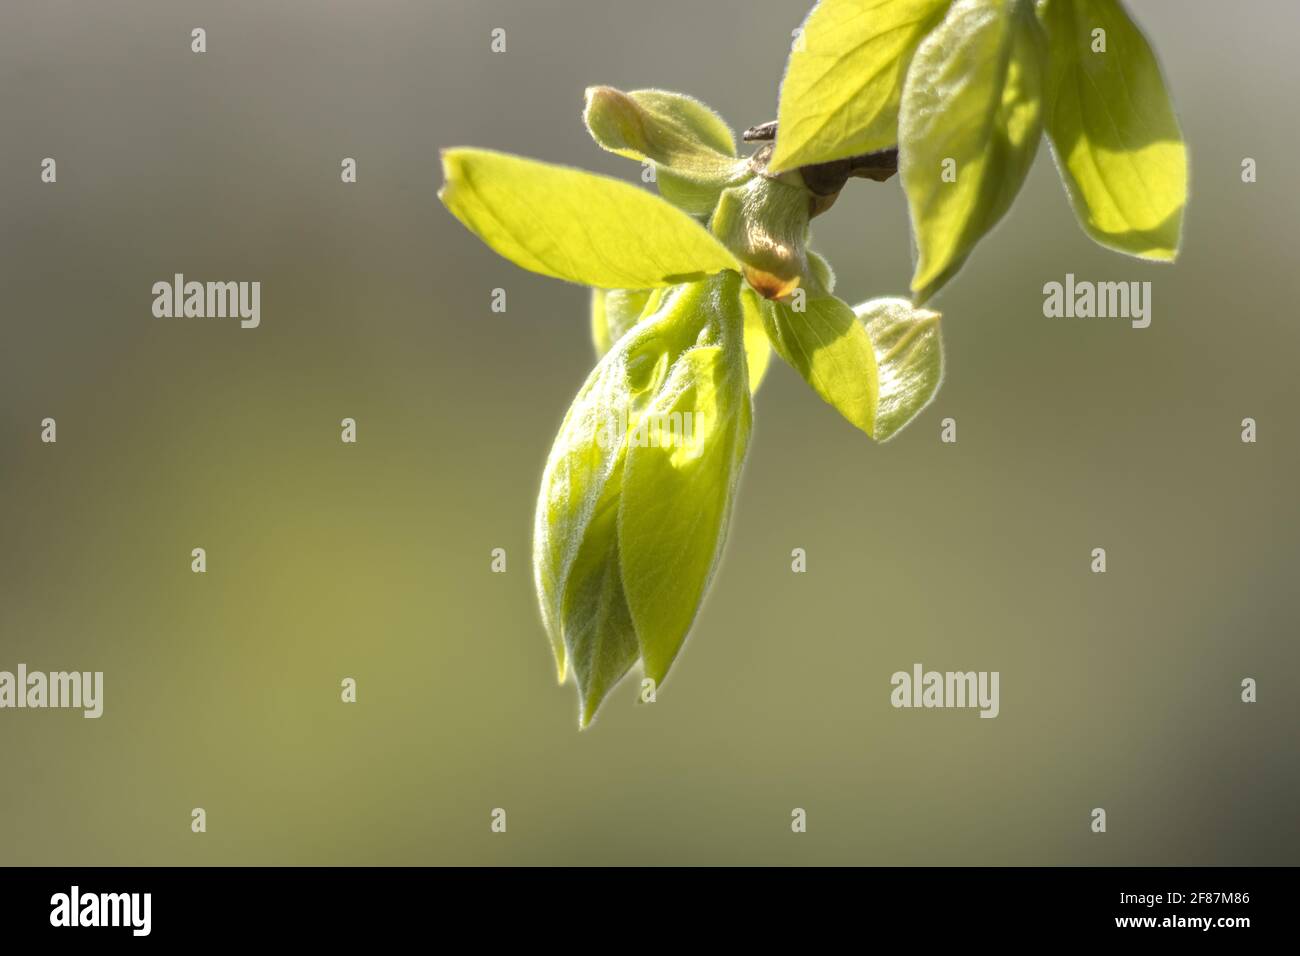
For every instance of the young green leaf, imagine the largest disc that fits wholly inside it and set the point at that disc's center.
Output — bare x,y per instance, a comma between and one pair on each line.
829,347
670,129
588,453
598,630
909,360
574,225
1112,127
841,89
614,312
678,494
969,127
692,148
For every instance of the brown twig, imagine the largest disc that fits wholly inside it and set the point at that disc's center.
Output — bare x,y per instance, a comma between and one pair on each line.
827,178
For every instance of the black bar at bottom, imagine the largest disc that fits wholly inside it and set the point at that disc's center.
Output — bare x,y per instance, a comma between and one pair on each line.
550,905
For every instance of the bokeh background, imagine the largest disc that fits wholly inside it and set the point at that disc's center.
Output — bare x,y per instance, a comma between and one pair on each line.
372,561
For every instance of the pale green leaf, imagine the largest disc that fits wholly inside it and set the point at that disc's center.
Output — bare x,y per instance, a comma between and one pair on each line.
670,129
598,630
574,225
841,90
678,493
971,113
1112,127
909,360
829,347
690,146
614,312
588,451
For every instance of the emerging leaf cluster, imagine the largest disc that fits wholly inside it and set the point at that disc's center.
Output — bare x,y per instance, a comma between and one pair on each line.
692,292
965,88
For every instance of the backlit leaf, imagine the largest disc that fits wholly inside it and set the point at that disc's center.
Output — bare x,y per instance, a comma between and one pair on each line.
577,226
588,453
969,127
841,90
670,129
678,494
909,360
598,629
829,347
692,148
1112,127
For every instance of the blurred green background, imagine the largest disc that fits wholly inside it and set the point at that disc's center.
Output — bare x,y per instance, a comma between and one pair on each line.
372,561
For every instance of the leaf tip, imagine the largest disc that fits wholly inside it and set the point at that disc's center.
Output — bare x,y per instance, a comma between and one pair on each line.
613,120
593,93
587,713
450,156
653,668
452,160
